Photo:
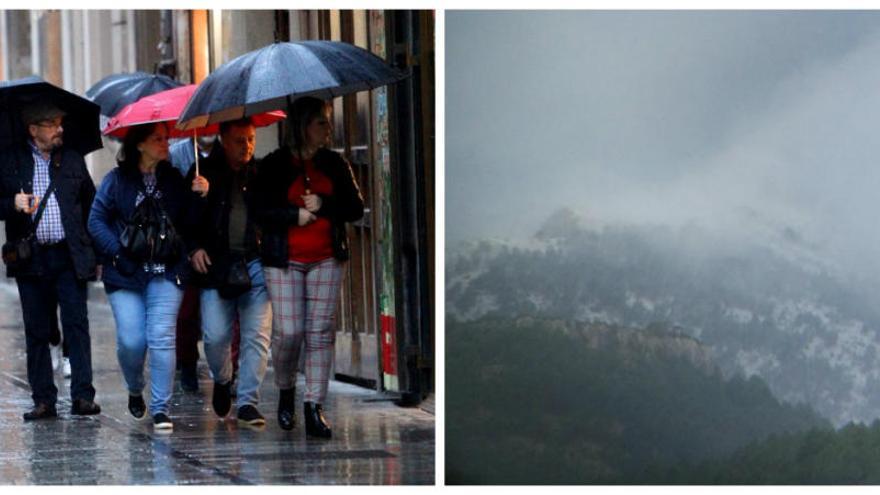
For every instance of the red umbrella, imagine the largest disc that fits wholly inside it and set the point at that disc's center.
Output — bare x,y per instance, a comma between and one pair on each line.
167,106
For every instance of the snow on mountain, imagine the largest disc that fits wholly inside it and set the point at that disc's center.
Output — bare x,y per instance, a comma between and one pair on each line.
809,333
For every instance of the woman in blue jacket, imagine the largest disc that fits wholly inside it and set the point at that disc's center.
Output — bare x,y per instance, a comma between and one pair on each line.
144,293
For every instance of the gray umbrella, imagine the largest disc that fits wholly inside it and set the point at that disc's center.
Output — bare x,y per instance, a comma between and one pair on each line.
118,90
273,76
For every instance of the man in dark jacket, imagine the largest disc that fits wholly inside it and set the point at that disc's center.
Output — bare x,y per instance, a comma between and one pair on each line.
63,259
226,239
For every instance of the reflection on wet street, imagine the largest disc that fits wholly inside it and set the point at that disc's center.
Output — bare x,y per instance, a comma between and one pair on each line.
374,441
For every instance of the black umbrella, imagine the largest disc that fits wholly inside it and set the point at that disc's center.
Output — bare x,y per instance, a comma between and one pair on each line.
118,90
273,76
81,125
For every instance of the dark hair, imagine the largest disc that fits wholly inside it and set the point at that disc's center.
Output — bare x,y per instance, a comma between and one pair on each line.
129,156
300,114
39,111
229,124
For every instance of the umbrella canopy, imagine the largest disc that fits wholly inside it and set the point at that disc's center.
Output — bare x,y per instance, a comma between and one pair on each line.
166,107
82,132
118,90
273,76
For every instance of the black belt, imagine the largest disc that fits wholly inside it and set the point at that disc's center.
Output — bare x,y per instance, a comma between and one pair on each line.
54,245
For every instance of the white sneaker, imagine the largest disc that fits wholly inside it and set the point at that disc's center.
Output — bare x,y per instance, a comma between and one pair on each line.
65,367
55,354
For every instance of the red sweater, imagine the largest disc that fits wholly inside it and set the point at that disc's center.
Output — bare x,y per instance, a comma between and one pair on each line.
312,242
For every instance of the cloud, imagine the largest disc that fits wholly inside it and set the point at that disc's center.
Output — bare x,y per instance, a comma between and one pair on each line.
758,124
808,163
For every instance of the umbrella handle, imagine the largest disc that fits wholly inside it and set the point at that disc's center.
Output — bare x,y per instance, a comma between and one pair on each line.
196,151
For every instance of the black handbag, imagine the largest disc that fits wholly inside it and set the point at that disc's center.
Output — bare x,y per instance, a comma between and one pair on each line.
149,235
16,254
237,280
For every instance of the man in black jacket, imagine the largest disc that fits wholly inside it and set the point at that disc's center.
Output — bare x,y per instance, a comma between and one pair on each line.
226,241
62,258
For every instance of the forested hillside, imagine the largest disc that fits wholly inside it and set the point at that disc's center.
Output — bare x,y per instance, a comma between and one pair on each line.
549,401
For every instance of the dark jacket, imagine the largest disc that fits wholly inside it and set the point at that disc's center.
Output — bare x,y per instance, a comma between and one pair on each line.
274,213
115,203
74,192
211,231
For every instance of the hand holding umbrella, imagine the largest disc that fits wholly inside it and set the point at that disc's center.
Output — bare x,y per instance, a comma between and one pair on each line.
26,203
312,202
200,185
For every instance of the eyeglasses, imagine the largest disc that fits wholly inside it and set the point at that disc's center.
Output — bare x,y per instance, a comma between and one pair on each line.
50,125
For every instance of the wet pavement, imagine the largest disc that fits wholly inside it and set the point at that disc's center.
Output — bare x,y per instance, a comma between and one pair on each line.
374,441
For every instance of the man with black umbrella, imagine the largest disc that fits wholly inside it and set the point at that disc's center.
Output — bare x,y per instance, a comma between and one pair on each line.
46,192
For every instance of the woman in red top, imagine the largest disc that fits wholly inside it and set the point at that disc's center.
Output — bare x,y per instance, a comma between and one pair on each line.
305,195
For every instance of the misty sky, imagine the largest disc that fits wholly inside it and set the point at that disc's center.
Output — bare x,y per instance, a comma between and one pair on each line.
752,123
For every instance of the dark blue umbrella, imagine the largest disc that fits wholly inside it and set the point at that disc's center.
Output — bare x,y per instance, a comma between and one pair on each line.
118,90
273,76
82,130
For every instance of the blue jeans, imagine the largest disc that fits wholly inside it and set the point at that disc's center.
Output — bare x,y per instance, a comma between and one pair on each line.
254,312
147,320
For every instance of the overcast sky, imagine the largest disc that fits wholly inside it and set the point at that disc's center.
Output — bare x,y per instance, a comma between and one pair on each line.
744,121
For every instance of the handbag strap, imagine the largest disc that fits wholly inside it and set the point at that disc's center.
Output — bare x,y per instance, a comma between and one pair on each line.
42,207
49,190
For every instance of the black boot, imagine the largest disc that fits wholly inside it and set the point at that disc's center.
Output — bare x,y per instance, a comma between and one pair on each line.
286,409
84,407
316,425
41,411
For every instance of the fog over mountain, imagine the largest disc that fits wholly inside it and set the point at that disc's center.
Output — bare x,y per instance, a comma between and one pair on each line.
757,126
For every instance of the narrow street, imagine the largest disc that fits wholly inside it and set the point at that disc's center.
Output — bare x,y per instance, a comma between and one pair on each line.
374,441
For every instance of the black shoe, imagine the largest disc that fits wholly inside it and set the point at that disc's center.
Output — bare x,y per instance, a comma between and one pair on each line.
286,409
249,415
221,400
83,407
136,406
189,377
41,411
316,425
161,421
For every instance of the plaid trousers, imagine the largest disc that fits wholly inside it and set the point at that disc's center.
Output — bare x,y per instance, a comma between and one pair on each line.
304,298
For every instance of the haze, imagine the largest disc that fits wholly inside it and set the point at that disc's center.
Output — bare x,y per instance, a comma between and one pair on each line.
754,124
